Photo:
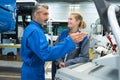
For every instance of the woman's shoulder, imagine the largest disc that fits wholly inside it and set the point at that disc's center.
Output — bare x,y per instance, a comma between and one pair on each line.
64,31
63,34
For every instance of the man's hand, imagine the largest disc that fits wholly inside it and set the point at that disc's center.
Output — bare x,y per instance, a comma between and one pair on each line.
77,37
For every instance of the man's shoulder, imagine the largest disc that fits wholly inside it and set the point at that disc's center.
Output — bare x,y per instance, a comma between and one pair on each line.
32,27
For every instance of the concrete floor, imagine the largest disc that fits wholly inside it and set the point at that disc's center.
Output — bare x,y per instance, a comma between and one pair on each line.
10,70
8,73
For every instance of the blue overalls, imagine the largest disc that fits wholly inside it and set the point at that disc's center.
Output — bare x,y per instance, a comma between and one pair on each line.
35,50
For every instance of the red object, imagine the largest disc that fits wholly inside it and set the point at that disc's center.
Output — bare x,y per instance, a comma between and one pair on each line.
113,46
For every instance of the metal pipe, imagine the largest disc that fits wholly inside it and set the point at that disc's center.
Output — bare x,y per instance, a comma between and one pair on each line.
114,23
115,28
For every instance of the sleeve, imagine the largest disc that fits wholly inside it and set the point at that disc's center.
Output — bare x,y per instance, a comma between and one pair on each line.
39,45
83,57
58,61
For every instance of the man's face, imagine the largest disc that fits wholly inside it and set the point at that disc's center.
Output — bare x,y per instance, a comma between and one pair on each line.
42,16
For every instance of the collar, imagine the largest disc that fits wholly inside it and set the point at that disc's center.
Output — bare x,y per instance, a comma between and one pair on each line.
36,23
74,32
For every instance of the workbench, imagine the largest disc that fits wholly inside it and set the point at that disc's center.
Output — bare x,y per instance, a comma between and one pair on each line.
10,45
18,55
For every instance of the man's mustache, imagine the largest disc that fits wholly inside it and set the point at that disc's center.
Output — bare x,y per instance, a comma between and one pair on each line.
46,20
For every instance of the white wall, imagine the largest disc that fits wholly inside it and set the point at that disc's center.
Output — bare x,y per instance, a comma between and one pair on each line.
59,11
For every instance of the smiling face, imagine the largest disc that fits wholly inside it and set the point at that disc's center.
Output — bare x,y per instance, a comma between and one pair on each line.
72,22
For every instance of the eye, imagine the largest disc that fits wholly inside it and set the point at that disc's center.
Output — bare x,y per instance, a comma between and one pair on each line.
46,14
69,18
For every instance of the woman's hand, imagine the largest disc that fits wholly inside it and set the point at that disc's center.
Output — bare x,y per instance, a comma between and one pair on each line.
62,65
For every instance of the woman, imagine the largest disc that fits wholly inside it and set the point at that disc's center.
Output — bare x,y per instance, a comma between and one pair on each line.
80,54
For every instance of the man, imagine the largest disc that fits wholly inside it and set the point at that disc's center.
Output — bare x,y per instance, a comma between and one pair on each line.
35,49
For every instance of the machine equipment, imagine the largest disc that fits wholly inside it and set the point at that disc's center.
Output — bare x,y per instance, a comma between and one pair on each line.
15,16
7,15
103,68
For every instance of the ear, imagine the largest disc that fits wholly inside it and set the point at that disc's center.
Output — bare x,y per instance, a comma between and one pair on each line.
78,21
36,14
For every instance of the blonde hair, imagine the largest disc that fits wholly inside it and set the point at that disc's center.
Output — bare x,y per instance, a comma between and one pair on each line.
82,24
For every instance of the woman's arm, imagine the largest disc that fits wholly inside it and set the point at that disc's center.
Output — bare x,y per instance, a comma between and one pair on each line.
83,56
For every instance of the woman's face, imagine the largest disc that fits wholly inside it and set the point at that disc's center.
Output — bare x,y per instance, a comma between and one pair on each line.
72,22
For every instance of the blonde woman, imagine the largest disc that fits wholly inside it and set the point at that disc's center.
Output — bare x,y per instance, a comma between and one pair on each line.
80,53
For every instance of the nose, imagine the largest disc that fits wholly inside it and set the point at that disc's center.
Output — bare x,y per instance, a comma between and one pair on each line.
47,18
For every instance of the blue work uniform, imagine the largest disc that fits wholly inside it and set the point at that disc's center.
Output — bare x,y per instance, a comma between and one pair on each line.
35,50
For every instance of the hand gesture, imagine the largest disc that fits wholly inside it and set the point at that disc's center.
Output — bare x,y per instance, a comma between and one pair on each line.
77,37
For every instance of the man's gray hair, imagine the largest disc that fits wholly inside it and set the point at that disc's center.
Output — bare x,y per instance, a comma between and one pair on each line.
37,8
